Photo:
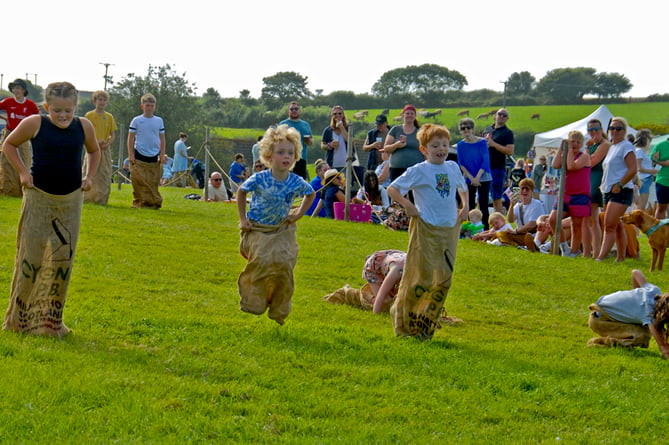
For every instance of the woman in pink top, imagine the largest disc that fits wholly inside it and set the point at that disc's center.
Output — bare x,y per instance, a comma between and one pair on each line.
576,189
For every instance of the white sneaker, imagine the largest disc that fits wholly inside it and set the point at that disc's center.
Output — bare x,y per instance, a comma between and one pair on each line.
545,247
495,242
565,249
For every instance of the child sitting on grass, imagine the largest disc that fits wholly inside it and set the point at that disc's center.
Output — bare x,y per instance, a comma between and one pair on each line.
330,193
497,222
268,238
473,226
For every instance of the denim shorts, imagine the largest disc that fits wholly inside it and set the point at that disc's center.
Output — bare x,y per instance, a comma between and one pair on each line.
645,185
497,185
624,197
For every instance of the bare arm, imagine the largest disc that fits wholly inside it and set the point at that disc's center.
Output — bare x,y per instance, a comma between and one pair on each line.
131,147
600,153
367,146
577,163
630,162
409,207
318,208
163,157
385,172
640,169
92,154
557,159
510,215
463,214
244,222
393,276
302,209
661,342
111,139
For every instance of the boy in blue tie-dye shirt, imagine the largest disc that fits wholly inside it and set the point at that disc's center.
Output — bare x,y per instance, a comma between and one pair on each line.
268,238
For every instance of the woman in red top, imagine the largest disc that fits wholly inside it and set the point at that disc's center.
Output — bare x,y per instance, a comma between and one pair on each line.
576,188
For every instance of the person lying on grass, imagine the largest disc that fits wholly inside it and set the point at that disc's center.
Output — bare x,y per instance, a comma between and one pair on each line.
630,317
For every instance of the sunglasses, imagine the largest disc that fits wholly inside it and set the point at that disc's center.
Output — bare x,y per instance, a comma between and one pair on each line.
502,115
217,179
294,109
525,188
337,114
465,127
616,128
594,128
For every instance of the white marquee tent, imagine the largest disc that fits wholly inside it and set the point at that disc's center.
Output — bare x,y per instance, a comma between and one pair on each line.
553,138
548,142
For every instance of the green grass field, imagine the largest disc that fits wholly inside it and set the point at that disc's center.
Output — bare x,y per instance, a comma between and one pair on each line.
161,353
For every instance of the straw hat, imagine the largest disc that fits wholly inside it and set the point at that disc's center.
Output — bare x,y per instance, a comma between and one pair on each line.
330,176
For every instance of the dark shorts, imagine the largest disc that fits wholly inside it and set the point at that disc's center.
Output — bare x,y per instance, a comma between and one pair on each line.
576,205
596,197
624,197
497,184
662,192
300,169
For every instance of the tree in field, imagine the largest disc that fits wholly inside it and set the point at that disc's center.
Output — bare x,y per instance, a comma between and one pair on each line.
175,100
520,84
567,85
418,80
283,87
611,85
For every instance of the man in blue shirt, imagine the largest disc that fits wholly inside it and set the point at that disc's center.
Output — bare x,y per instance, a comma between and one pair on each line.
303,127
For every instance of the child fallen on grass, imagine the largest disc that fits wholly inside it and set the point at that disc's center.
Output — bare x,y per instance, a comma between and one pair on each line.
630,317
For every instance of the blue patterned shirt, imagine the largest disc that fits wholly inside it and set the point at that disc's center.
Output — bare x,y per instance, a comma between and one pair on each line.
272,199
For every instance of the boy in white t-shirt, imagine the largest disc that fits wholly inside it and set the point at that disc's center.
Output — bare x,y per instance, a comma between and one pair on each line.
433,233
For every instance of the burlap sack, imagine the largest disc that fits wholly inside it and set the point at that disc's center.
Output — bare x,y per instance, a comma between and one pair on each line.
10,183
614,332
516,239
360,298
427,276
267,279
145,177
101,184
46,241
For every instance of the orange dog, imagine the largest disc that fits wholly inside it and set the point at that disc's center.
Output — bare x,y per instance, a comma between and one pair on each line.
658,237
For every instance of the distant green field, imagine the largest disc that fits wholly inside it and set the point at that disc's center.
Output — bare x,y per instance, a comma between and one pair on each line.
551,116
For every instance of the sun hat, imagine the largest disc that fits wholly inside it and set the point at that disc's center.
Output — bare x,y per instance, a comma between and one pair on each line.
19,83
330,176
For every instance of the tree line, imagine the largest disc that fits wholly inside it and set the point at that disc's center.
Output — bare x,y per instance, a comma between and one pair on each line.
427,85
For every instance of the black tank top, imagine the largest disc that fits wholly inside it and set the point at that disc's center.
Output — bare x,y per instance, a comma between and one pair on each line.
57,157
